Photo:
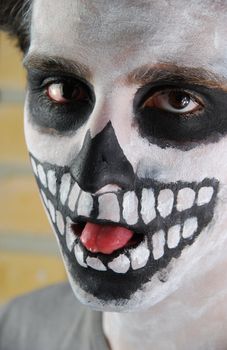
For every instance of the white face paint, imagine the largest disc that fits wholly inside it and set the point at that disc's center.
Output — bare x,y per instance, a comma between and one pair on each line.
167,187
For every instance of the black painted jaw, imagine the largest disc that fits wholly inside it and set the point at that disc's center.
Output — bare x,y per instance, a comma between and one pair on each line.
107,284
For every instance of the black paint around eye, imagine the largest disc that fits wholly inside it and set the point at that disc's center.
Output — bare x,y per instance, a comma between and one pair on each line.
62,117
183,131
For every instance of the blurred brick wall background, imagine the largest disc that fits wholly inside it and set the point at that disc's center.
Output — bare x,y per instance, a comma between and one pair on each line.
29,257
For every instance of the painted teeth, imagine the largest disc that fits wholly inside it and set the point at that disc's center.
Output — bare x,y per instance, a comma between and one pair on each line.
108,207
69,236
109,204
96,264
204,195
51,180
165,202
185,199
79,255
85,204
42,175
148,212
60,223
139,256
158,240
149,206
64,187
121,264
73,196
130,208
190,227
173,236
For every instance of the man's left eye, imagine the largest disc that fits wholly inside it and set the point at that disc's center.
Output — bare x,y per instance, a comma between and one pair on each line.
175,101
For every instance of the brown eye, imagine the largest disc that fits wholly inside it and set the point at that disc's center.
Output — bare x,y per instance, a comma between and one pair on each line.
66,92
175,101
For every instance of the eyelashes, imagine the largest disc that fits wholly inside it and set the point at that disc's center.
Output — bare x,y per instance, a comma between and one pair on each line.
175,100
204,121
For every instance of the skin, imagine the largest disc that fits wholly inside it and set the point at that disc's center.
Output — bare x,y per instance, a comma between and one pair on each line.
189,309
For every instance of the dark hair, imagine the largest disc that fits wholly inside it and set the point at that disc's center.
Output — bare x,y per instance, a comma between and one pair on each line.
15,18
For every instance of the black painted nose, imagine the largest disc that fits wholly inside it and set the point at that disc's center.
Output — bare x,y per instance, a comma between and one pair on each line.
101,161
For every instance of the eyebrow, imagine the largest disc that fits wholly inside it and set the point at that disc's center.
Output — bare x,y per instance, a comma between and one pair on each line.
171,73
56,64
146,74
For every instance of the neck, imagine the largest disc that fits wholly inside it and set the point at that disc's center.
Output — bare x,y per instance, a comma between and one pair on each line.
194,317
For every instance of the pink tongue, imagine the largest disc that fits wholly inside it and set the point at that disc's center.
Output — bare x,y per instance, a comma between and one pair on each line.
104,238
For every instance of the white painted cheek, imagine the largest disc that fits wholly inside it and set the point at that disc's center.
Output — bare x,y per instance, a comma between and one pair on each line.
171,164
55,149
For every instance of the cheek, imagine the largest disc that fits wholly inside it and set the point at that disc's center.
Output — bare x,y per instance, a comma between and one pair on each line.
171,164
47,147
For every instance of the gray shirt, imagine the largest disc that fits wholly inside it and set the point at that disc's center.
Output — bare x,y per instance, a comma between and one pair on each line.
50,319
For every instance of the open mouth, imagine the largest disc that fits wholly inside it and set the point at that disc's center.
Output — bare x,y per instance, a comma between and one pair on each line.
106,239
125,231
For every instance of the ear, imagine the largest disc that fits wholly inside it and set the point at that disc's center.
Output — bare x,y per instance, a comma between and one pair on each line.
15,20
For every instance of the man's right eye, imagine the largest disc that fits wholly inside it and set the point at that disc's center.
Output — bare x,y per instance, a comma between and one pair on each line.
66,92
61,103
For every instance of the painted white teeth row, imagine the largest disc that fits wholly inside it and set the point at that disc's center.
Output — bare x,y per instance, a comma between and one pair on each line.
138,259
109,208
138,256
121,264
173,236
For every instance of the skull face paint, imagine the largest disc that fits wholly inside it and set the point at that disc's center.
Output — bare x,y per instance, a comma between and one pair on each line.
125,151
165,218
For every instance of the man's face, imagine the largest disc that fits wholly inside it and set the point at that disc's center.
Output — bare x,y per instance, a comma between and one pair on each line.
126,122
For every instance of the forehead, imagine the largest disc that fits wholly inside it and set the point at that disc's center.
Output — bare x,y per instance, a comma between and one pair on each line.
126,34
